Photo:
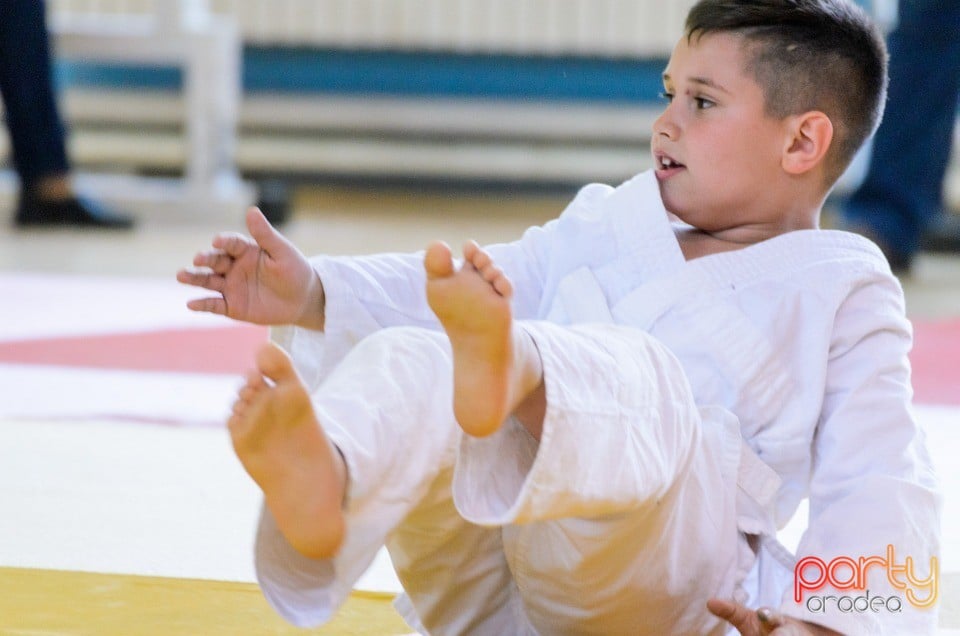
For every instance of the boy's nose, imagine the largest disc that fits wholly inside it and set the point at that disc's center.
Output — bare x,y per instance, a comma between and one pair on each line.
665,125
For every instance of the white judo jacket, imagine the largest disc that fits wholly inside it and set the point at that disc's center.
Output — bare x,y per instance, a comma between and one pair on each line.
803,338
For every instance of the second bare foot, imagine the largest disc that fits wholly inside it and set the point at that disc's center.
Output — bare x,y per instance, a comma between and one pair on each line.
281,444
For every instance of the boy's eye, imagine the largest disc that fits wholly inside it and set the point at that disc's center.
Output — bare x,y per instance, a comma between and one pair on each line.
703,103
664,95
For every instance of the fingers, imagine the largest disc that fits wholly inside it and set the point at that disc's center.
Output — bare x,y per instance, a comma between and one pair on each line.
230,246
207,280
774,624
762,622
210,305
263,233
770,618
740,617
217,260
233,244
729,611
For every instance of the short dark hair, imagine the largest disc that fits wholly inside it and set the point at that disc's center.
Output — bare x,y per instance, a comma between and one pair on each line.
825,55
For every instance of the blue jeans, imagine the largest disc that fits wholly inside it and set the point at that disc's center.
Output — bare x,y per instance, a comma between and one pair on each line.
26,85
902,193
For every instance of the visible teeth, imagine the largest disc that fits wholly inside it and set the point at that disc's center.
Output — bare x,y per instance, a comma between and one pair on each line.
665,162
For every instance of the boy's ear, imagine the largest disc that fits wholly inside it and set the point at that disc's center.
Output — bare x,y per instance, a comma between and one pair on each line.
809,137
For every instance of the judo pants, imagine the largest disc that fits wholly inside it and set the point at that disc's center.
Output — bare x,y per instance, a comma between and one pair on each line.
621,519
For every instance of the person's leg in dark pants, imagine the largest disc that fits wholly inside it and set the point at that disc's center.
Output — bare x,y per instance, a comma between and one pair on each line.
36,131
901,196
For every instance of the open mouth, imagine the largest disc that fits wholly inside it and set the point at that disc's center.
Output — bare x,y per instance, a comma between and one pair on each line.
666,163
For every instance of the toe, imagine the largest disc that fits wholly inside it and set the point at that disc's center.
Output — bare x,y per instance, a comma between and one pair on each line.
503,286
491,272
274,363
480,259
438,260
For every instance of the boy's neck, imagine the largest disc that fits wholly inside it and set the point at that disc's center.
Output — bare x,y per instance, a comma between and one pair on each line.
784,210
695,243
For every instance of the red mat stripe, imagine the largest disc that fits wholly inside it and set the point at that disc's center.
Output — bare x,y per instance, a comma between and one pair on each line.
936,362
229,350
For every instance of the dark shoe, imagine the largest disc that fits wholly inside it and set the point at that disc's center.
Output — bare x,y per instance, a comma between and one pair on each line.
943,235
72,212
274,201
900,262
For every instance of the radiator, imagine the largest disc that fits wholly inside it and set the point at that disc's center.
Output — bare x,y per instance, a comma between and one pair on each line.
402,137
437,138
608,28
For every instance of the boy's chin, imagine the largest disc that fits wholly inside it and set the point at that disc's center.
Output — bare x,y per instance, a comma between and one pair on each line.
673,207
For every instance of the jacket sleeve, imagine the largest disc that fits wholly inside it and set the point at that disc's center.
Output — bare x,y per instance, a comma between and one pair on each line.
873,490
367,293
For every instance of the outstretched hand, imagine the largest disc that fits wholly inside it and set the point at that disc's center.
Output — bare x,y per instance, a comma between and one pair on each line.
762,622
263,279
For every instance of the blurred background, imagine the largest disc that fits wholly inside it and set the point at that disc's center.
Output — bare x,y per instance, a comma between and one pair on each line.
359,126
516,95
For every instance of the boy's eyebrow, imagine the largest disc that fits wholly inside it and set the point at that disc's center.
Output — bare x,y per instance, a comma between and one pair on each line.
705,81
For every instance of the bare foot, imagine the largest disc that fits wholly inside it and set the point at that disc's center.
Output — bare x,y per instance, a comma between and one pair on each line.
495,365
282,446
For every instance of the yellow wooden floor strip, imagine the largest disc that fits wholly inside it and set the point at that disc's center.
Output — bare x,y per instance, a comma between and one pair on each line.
50,602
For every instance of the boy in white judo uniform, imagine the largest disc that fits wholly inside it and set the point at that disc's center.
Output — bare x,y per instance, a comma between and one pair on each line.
646,387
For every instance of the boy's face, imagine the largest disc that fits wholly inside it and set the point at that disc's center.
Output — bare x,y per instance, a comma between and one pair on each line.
716,153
